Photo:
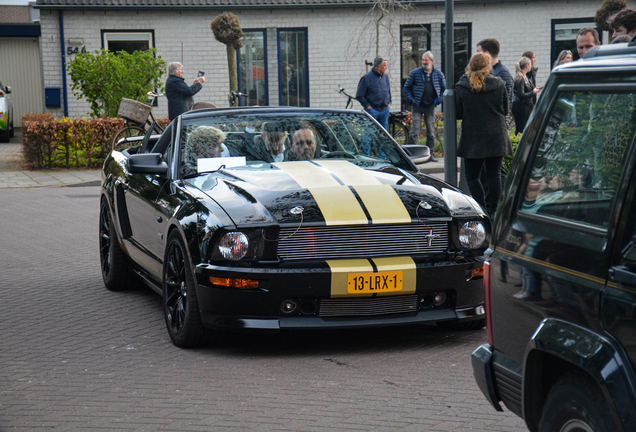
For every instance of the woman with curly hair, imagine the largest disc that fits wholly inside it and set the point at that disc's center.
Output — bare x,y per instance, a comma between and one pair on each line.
481,101
523,94
203,142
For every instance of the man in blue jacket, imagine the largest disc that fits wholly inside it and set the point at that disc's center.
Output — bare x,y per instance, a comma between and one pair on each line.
424,89
179,94
374,92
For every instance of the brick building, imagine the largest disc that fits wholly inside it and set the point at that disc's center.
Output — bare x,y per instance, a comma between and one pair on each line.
298,52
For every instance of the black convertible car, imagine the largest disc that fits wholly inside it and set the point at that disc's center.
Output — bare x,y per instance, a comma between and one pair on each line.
286,218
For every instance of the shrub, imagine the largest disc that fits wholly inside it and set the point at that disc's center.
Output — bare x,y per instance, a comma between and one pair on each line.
103,78
514,140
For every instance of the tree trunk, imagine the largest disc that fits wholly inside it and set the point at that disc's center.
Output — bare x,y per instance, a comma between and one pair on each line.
231,65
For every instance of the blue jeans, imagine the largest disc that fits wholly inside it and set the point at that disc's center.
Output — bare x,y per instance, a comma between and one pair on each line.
381,116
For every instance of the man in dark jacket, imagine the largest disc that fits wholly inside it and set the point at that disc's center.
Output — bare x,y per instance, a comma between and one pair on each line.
179,94
374,92
424,89
492,47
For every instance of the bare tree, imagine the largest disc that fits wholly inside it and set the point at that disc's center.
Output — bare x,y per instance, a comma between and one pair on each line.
227,30
381,15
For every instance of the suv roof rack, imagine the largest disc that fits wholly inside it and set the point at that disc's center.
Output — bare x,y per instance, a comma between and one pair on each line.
612,49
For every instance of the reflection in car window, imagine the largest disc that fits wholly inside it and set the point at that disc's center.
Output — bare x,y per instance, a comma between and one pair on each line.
347,136
580,159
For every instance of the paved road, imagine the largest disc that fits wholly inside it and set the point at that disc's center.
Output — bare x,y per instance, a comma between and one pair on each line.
76,357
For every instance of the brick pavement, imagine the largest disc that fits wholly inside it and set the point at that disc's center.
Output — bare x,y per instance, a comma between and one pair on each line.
77,357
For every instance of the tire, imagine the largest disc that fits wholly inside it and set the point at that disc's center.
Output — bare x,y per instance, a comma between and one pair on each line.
400,133
180,305
12,130
576,404
470,325
126,132
113,263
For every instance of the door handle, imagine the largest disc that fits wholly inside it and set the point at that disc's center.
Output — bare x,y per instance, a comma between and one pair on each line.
623,275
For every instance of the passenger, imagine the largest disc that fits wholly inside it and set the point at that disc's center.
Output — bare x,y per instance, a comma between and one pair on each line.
303,145
204,142
270,146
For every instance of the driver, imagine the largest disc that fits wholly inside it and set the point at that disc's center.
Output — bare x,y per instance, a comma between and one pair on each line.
303,145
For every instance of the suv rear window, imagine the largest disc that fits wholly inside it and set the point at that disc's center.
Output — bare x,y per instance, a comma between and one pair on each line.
577,168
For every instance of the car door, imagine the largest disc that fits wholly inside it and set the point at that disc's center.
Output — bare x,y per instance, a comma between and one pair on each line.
144,194
618,306
552,254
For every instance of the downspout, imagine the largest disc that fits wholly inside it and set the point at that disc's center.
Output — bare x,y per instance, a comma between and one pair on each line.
61,15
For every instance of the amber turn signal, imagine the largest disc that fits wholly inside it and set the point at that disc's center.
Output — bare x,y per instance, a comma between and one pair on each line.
478,272
234,283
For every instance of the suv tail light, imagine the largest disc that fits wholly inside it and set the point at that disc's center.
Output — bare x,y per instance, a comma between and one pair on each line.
489,333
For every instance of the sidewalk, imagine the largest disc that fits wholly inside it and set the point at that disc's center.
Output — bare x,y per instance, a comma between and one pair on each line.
14,175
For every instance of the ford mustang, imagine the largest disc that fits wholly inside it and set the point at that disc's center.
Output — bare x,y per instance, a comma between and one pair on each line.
268,219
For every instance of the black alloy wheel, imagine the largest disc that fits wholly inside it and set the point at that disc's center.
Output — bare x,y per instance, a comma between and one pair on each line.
180,305
115,270
576,404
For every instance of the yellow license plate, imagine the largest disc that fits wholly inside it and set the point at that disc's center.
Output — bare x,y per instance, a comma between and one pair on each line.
358,283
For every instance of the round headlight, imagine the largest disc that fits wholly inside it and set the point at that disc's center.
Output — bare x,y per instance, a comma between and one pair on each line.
234,245
472,235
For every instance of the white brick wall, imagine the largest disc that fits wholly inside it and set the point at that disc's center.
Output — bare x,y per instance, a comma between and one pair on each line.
332,41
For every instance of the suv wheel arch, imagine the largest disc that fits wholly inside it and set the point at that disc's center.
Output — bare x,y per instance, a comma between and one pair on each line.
559,347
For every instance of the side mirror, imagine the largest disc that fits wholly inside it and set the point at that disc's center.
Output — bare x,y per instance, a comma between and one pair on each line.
8,89
419,154
147,163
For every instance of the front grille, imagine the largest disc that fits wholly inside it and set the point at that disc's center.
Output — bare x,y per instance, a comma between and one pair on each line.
368,306
363,241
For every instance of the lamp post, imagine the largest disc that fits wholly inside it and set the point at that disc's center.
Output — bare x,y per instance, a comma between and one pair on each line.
450,119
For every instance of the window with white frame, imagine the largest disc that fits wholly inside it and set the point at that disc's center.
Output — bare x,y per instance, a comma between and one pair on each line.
129,41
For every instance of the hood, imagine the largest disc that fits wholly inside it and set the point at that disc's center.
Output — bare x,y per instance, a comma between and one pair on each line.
331,193
490,83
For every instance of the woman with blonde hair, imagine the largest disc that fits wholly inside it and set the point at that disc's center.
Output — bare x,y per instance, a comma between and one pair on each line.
523,95
564,56
481,101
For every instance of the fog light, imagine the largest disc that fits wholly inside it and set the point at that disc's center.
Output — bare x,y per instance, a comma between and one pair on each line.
426,302
440,299
288,306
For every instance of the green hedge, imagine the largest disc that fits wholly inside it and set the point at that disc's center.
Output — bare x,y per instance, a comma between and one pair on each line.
78,143
66,143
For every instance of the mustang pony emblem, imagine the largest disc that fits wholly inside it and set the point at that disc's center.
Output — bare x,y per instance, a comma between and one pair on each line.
430,236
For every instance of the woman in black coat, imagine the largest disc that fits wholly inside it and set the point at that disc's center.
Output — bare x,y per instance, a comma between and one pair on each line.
523,95
482,102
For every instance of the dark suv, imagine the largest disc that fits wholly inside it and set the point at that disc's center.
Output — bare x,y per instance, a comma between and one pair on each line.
560,275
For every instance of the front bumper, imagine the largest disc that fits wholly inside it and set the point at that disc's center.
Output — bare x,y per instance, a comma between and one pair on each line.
481,360
314,287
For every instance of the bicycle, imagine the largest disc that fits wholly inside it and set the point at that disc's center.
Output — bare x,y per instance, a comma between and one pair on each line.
233,97
398,128
138,119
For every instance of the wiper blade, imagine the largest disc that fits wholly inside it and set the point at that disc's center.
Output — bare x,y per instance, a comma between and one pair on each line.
197,174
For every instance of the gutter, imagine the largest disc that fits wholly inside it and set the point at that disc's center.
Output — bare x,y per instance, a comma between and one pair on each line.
272,6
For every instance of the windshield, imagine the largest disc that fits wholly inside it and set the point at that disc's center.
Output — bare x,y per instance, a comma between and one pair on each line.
209,143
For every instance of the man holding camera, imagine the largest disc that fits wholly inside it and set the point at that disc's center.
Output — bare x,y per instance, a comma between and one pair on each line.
179,94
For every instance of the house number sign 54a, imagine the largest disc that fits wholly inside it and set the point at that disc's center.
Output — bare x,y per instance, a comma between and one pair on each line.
75,50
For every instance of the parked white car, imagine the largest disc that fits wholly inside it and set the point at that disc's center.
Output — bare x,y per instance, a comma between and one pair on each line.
6,114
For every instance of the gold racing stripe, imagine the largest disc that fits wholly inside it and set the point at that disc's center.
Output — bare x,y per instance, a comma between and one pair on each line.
338,204
409,273
340,270
381,201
